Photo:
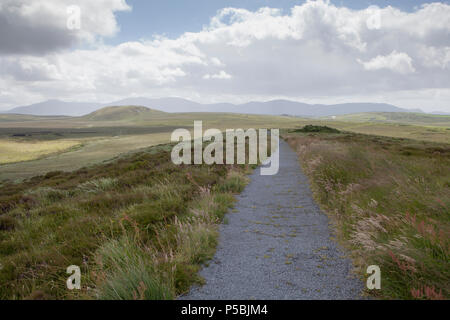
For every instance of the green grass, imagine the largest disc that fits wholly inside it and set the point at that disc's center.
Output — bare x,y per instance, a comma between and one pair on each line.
18,150
139,227
93,151
398,117
389,199
129,272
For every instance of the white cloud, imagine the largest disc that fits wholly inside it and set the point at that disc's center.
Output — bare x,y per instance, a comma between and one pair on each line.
435,57
395,61
216,62
221,75
38,27
315,52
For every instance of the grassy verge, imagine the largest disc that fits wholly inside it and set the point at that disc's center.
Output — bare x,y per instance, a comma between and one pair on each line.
138,227
390,200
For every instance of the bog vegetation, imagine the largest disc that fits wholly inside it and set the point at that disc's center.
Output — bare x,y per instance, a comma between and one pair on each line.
390,201
139,227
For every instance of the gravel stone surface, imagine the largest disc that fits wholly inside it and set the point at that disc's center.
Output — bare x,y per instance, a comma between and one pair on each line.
276,244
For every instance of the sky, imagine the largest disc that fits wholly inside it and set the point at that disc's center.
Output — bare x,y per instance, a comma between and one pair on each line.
169,17
320,51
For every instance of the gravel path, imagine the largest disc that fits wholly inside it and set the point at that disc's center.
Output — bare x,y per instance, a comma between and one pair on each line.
276,245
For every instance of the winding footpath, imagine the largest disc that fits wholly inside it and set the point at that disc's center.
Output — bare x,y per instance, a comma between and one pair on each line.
277,244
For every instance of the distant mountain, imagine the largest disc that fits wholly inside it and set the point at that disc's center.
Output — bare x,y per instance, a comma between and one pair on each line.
316,110
274,107
56,108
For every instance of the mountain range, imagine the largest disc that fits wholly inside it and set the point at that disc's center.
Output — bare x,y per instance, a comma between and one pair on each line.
273,107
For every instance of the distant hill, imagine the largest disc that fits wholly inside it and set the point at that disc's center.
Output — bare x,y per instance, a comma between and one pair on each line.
316,110
274,107
121,113
396,117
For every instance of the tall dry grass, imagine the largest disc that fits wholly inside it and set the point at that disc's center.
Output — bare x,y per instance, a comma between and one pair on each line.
390,201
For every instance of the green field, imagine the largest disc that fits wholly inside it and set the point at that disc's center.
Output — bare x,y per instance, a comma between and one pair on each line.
111,131
18,150
106,134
